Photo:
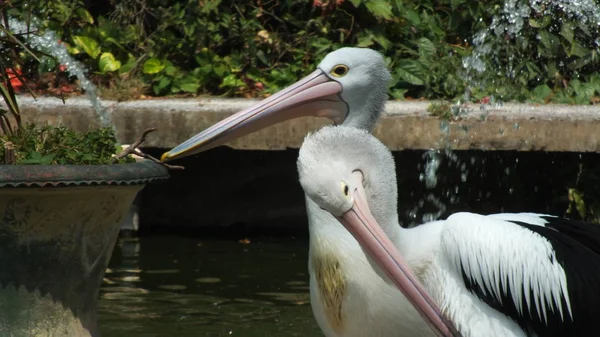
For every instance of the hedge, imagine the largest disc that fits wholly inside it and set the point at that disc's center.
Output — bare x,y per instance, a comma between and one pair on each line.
527,50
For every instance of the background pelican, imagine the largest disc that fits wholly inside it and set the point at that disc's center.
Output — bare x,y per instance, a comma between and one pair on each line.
349,86
504,275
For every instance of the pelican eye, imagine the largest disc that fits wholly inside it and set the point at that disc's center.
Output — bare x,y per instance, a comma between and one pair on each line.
339,70
345,189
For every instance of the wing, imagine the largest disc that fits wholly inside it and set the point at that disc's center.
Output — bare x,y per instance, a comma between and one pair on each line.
542,271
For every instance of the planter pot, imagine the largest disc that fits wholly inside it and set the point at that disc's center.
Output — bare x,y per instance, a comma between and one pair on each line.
58,227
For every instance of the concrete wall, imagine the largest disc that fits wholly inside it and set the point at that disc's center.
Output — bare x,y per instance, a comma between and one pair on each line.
256,191
405,125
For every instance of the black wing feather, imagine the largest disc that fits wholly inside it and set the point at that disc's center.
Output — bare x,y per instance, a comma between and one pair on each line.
577,250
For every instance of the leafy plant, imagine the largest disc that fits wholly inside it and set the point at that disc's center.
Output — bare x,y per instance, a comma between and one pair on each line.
255,48
31,144
48,145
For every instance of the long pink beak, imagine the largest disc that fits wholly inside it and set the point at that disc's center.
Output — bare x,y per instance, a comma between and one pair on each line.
362,225
315,95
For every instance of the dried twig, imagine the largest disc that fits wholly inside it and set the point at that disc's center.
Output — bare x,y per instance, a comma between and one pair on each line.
149,157
133,150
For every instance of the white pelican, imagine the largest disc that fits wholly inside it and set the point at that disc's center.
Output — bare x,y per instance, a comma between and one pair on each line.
501,275
349,86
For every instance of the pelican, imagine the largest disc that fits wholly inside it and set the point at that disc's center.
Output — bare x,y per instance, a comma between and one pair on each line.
349,87
499,275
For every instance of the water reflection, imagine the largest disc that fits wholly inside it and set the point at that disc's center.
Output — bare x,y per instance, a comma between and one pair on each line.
176,286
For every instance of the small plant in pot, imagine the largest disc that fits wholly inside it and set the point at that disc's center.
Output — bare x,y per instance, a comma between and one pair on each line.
62,197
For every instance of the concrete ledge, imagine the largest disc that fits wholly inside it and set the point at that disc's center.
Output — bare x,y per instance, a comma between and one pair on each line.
405,125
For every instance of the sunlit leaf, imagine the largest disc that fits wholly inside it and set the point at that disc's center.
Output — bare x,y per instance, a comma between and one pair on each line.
88,44
108,62
381,9
152,66
84,15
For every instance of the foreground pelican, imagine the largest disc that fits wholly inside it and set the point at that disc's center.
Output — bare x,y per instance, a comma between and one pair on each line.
350,87
502,275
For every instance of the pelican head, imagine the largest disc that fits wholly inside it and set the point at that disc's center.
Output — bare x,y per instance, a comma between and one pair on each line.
350,174
349,86
338,165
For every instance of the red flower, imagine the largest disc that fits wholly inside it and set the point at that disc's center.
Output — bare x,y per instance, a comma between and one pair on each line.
14,80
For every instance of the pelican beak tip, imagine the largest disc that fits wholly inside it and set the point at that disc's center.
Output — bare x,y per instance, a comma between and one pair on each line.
164,157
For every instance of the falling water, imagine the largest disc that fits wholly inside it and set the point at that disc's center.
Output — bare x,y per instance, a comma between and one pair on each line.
513,16
433,159
49,41
508,24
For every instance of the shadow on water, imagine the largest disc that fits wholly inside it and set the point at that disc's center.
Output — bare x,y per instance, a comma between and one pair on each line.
180,286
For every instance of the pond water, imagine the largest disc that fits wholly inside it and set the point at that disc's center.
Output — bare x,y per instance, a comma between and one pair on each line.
180,286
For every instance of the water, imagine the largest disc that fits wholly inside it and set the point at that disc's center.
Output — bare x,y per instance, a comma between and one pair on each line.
48,41
178,286
508,25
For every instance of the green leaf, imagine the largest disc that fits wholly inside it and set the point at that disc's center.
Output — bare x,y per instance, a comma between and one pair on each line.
189,84
190,87
163,83
108,63
365,40
541,92
261,56
545,22
586,92
382,40
219,69
411,71
550,42
398,93
232,81
356,3
89,45
152,66
85,15
412,17
426,48
127,67
567,31
455,3
381,9
578,50
8,98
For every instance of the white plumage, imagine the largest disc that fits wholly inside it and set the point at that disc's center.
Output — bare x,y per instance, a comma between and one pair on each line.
500,275
478,274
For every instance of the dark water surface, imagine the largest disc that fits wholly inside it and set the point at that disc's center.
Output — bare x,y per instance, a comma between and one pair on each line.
178,286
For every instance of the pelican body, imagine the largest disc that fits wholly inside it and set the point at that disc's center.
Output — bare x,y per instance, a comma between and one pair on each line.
500,275
349,87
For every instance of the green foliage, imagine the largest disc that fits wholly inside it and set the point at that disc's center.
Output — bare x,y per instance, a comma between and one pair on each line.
30,144
47,145
233,48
